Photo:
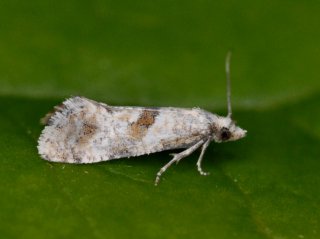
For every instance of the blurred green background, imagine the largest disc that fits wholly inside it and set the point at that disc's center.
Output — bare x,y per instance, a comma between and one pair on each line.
164,53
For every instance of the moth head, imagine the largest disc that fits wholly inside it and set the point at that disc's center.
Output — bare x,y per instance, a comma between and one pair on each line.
225,129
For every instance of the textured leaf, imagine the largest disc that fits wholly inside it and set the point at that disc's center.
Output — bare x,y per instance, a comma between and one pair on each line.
163,53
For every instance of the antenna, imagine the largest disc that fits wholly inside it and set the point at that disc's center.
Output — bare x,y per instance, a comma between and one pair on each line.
228,58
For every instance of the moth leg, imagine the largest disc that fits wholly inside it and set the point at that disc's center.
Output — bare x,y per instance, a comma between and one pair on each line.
203,150
177,158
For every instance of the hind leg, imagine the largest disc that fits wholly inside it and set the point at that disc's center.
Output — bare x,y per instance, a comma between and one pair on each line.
177,158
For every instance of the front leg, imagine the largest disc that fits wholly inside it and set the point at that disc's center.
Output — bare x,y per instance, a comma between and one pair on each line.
177,158
203,150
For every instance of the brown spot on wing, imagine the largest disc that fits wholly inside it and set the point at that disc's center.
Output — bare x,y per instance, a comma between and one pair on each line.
89,128
82,135
146,119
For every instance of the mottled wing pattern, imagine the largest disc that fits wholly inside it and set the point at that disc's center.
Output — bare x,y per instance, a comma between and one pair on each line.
85,131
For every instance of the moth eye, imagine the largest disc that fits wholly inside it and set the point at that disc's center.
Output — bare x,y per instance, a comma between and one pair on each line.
225,134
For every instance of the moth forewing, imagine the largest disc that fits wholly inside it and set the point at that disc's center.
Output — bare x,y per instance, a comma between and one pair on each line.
84,131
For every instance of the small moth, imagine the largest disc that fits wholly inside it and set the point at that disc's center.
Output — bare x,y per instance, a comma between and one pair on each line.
85,131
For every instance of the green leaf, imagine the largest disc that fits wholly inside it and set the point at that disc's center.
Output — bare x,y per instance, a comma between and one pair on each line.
163,53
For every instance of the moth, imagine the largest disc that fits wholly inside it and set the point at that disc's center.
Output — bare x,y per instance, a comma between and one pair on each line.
83,131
